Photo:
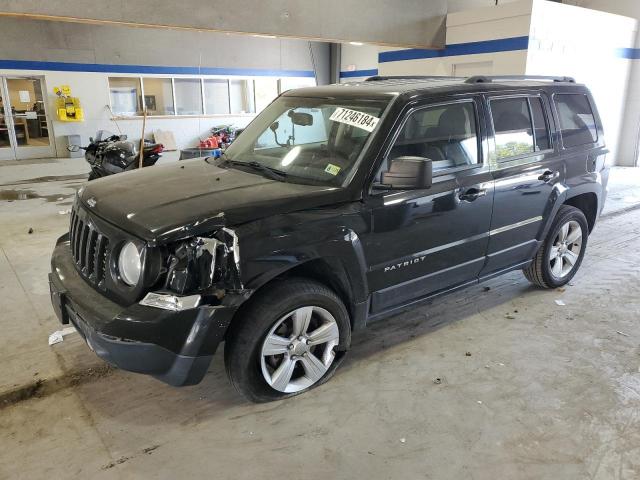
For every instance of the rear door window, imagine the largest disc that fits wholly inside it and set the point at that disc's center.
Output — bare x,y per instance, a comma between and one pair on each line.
577,122
540,125
512,127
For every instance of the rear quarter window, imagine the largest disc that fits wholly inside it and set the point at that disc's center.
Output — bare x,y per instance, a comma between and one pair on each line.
577,122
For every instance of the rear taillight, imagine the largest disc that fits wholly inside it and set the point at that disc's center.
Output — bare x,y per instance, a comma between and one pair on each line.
158,148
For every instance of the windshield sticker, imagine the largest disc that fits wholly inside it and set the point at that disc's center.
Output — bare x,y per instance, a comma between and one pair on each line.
332,169
354,118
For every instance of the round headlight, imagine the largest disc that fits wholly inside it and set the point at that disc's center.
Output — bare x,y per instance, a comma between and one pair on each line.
129,264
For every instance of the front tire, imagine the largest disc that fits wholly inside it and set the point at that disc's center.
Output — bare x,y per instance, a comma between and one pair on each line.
561,254
289,339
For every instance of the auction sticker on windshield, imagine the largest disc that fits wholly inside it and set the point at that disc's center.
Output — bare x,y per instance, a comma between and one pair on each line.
355,118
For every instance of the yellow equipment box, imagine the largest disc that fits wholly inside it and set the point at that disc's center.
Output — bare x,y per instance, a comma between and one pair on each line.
67,107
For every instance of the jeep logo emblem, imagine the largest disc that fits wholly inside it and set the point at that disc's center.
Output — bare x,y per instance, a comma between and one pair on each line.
91,202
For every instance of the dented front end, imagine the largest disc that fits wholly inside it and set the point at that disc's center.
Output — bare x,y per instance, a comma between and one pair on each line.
199,270
205,265
173,331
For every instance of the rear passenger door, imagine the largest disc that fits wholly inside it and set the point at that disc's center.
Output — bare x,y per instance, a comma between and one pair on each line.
527,170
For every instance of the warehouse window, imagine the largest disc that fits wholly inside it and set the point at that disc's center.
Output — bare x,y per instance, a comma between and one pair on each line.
216,96
158,96
188,96
194,96
512,127
125,93
266,91
242,96
577,123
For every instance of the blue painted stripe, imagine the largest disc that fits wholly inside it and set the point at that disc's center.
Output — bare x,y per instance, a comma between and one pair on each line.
469,48
628,53
148,69
359,73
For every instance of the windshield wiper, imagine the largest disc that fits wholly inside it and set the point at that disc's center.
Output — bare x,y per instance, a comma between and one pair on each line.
271,172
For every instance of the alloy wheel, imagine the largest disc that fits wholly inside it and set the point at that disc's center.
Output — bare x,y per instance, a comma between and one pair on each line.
299,349
565,251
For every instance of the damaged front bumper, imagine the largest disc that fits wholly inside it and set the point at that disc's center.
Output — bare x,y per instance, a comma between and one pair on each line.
175,347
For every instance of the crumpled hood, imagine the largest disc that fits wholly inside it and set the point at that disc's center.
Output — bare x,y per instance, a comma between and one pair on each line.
167,202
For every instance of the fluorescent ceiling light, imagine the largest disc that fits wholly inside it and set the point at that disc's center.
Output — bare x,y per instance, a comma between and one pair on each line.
356,44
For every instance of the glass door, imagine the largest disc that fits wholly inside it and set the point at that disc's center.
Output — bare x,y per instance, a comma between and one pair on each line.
6,145
24,126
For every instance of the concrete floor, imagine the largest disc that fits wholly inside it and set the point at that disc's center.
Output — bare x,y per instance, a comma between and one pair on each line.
547,391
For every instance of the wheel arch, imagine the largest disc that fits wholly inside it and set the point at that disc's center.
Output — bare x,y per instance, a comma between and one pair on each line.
587,203
337,262
329,271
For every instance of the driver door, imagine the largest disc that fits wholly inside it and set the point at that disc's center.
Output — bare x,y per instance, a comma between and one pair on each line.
431,240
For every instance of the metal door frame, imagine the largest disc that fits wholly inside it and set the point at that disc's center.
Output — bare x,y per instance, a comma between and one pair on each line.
7,153
19,152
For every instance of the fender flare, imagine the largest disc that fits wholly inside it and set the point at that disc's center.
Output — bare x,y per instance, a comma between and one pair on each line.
562,194
342,252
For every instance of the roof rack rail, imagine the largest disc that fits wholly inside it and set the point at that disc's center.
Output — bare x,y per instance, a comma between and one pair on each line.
380,78
491,78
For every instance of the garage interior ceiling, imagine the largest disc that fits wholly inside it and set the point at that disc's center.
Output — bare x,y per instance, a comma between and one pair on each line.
413,23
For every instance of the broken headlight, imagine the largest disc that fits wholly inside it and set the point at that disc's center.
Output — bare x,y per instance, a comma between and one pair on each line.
204,264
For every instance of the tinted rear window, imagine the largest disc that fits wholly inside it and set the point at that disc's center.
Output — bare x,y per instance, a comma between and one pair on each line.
577,123
539,124
512,127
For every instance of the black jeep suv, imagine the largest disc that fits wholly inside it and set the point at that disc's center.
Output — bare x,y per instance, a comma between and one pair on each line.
336,207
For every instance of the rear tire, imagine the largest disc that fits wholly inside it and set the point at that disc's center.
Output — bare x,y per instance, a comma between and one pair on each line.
267,339
562,251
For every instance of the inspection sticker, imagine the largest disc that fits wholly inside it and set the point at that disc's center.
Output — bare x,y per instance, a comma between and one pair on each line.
353,117
332,169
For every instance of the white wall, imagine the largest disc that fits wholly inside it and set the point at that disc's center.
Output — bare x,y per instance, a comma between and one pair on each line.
93,91
357,58
584,44
487,23
70,53
630,133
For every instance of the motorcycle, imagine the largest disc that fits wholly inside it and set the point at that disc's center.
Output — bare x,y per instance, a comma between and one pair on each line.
109,154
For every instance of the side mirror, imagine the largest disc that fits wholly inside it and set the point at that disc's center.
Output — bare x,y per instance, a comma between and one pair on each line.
408,173
73,148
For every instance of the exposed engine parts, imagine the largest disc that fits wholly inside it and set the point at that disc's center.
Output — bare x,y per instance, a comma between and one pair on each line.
209,265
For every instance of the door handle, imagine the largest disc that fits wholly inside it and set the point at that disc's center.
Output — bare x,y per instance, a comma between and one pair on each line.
549,175
471,194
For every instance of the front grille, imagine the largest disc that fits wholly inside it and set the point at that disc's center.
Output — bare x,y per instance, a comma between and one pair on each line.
89,248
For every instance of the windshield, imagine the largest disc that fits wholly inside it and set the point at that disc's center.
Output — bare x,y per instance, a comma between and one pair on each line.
308,140
102,135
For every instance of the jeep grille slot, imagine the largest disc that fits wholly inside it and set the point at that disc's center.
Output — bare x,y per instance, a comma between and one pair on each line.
89,248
